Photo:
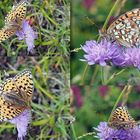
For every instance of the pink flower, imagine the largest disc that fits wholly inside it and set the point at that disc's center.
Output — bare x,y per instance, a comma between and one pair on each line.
77,95
103,90
88,3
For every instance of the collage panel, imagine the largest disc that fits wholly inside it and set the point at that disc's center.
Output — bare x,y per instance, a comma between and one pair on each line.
34,28
100,56
34,97
35,70
106,112
105,76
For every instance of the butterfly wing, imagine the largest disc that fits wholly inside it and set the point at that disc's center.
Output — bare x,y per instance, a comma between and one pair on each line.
23,91
18,12
7,109
122,125
15,94
126,29
13,20
24,82
121,119
7,32
16,98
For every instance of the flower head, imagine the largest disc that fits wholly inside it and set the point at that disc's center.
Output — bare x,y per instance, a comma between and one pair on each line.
22,122
28,34
132,57
129,57
105,51
107,133
100,53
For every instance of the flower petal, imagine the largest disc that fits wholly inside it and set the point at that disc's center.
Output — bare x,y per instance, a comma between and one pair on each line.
28,34
22,122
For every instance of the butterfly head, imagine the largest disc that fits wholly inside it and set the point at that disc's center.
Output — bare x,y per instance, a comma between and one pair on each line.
105,34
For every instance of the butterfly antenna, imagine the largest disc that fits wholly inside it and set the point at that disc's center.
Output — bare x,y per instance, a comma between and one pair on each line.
92,22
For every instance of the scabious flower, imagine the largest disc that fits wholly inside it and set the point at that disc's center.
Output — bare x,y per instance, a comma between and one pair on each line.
28,34
106,52
132,57
21,123
129,57
104,132
101,53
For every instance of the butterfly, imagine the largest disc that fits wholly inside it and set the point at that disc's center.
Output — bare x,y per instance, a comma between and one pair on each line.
13,20
15,95
122,119
125,29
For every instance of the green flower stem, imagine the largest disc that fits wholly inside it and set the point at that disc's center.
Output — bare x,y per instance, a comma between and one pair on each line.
111,12
73,131
129,89
104,26
109,15
94,74
118,100
102,75
114,75
85,70
87,134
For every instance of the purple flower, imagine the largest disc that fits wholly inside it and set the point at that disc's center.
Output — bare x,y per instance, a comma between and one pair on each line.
22,122
107,52
28,34
129,57
107,133
101,53
132,57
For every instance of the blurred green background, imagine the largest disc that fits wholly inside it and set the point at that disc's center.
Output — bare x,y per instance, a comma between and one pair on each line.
88,16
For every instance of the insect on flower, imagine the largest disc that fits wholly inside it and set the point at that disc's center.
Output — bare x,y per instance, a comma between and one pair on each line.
125,29
122,119
13,20
15,95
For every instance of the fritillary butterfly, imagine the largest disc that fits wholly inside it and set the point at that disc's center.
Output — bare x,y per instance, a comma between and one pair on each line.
122,119
13,20
15,95
125,29
18,12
